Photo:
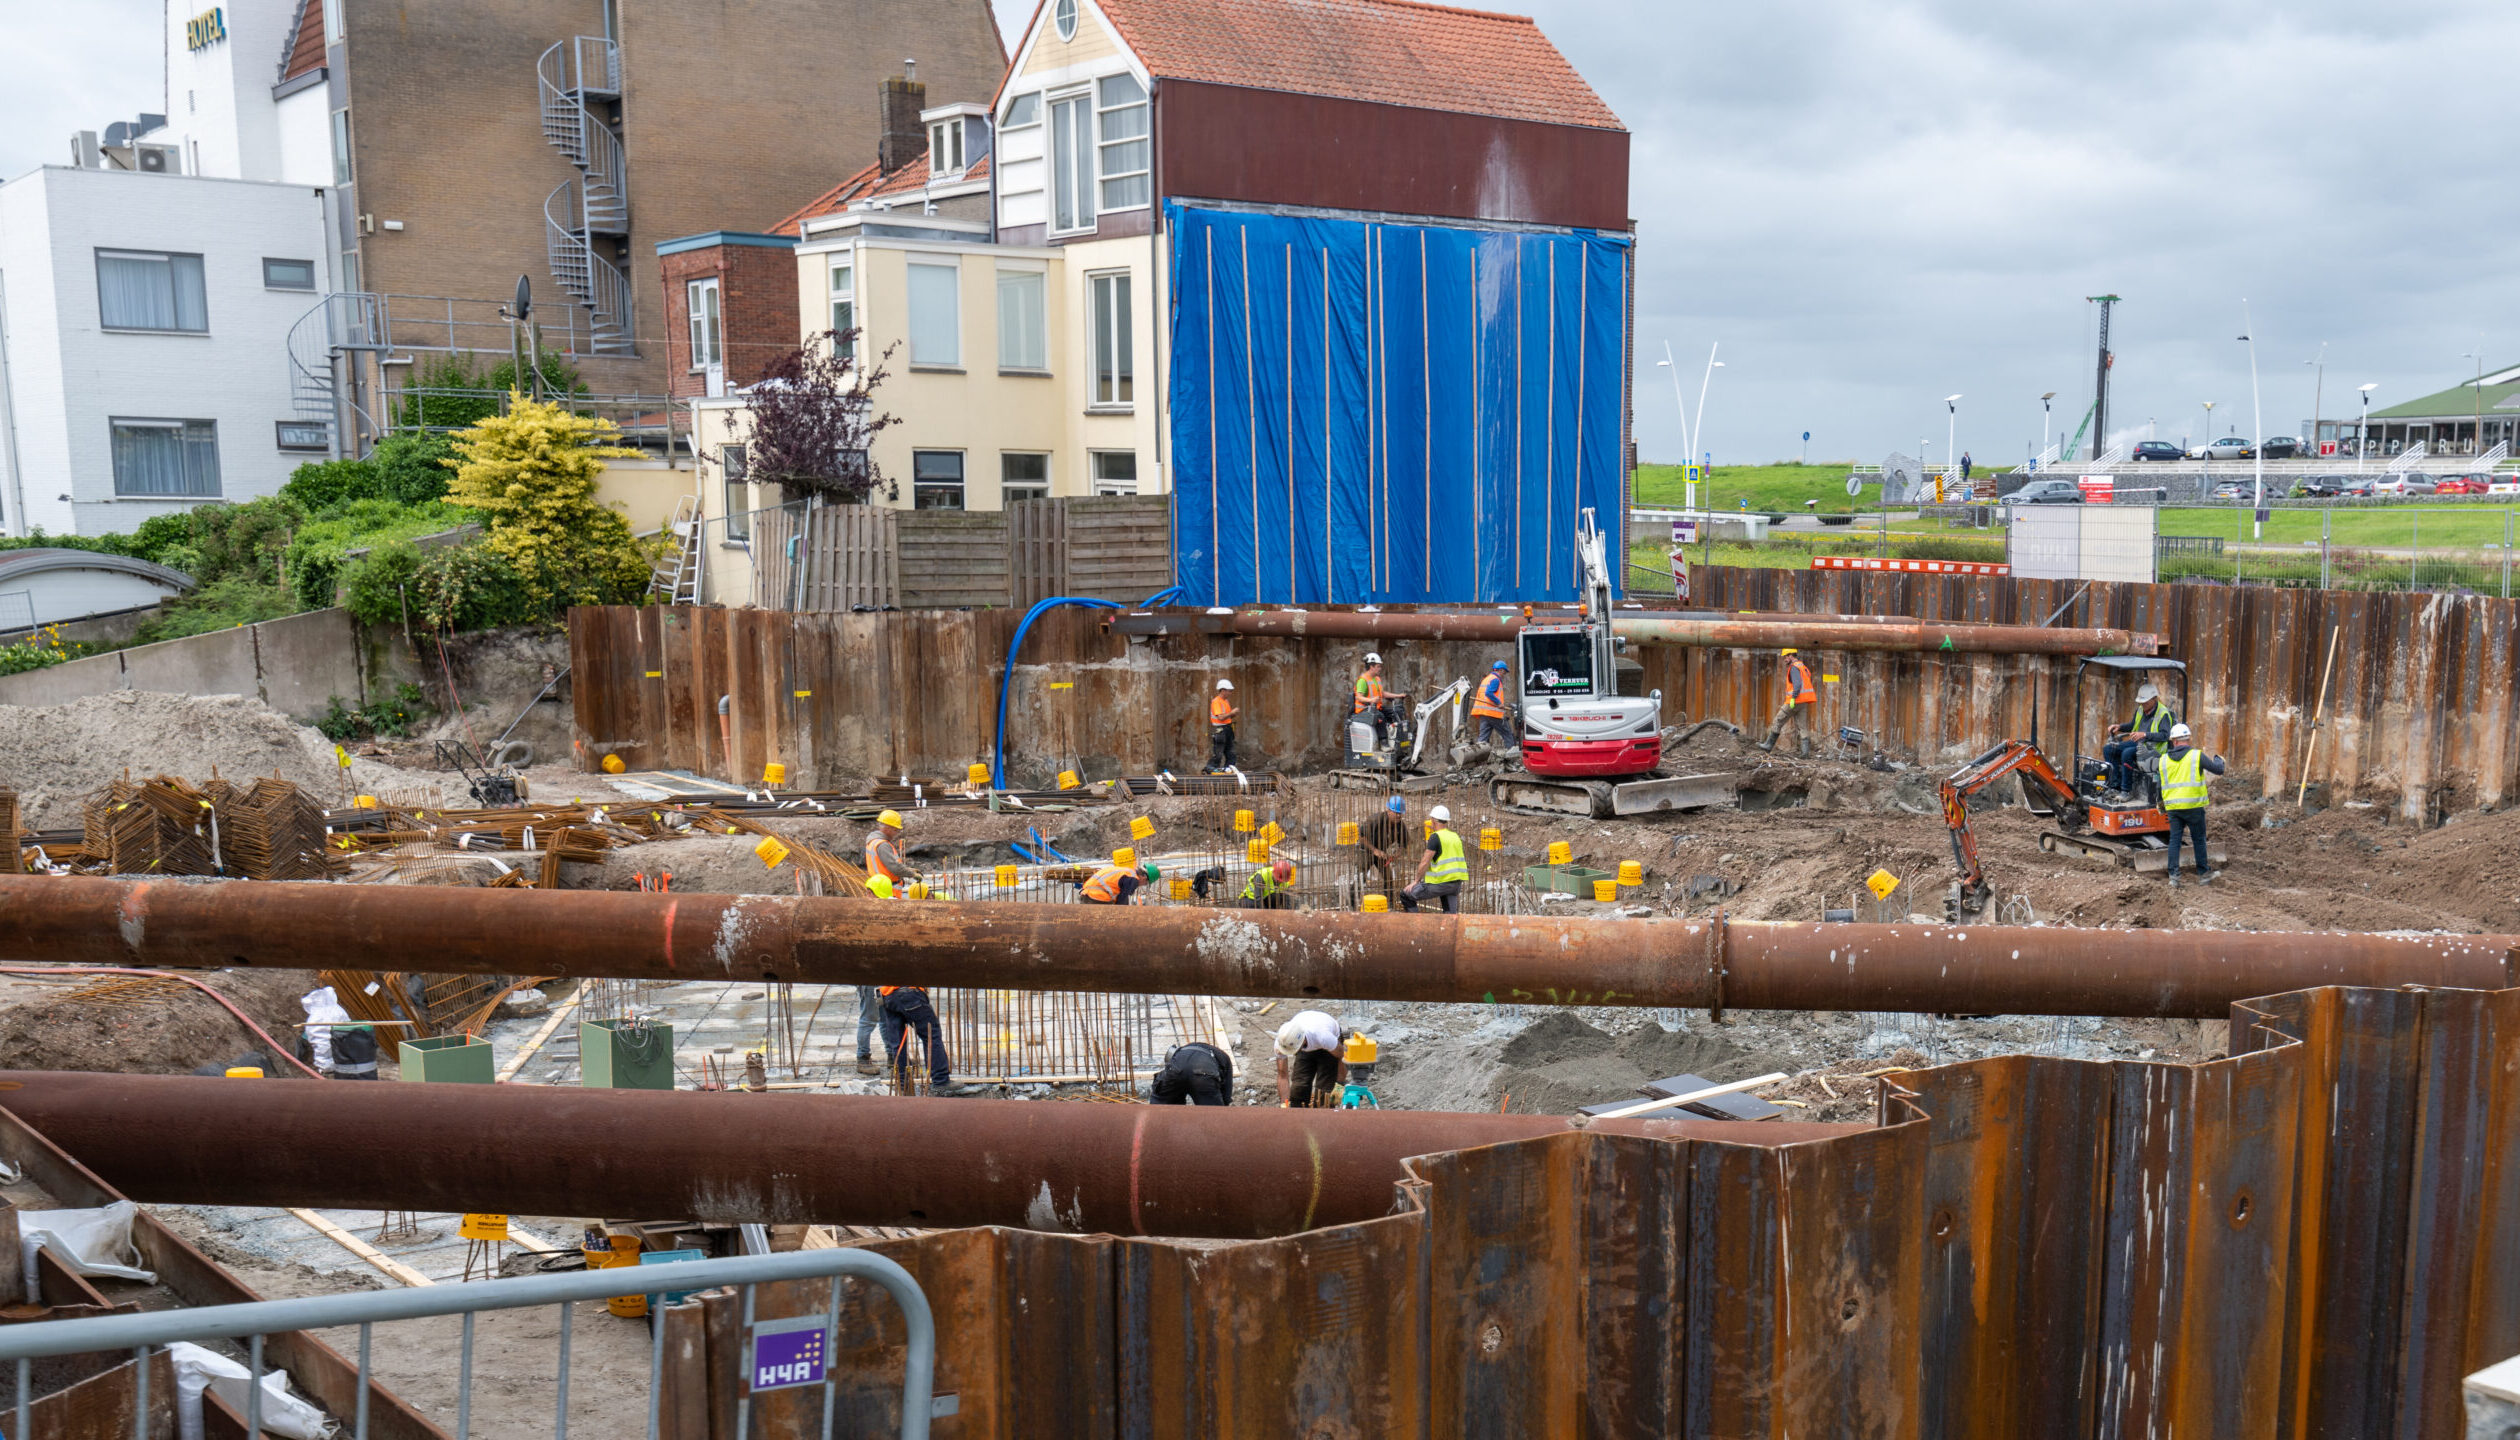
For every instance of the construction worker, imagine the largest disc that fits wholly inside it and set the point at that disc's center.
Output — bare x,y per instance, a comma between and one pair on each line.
1309,1070
1369,686
906,1010
1221,728
1380,841
1799,693
2151,726
1443,869
1487,707
1113,884
885,875
1270,888
354,1053
2183,768
1194,1074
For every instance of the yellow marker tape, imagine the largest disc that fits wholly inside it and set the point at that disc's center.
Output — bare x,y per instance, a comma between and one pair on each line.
656,674
808,694
1828,680
1062,684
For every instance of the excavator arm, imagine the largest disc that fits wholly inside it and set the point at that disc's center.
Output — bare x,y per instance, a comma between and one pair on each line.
2039,781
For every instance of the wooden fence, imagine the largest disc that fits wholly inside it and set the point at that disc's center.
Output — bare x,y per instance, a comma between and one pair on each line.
874,557
2419,707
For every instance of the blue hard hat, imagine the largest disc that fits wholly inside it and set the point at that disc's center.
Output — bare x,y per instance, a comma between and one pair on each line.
1499,665
1395,807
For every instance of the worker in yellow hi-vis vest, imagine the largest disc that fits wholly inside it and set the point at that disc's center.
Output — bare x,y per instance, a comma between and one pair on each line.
1443,870
2183,771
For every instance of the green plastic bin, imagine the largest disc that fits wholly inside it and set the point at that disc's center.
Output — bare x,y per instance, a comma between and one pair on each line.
614,1055
1571,879
458,1058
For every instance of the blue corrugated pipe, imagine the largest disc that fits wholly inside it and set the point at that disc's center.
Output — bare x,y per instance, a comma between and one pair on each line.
997,769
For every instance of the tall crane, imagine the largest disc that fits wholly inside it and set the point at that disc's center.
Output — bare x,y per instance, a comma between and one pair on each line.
2100,385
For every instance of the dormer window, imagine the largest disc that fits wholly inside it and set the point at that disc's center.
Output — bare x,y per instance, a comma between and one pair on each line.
945,147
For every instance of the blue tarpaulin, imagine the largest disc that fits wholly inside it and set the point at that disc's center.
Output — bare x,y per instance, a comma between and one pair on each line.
1373,413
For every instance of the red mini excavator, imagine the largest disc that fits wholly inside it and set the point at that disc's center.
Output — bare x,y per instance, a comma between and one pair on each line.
2091,819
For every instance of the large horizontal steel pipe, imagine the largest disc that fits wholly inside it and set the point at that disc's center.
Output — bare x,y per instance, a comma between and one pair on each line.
1701,963
1701,628
1230,1172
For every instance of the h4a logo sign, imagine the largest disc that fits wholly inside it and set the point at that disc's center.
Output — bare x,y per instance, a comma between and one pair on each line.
205,29
788,1353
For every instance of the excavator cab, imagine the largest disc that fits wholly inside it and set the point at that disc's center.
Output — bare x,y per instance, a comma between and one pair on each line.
2091,770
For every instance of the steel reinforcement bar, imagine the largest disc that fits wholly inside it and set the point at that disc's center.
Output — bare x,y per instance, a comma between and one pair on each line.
1887,633
1707,963
1221,1172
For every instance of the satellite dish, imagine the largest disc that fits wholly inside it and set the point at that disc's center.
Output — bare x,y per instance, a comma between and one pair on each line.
1854,487
524,296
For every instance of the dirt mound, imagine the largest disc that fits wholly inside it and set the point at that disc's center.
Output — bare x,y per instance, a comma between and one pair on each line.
55,756
1557,1065
148,1027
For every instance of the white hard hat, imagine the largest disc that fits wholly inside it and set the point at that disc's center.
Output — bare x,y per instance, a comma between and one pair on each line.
1224,684
1372,659
2179,732
1441,814
2146,692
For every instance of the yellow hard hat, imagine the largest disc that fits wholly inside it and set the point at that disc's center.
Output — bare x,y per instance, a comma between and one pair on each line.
918,890
1788,650
893,817
881,886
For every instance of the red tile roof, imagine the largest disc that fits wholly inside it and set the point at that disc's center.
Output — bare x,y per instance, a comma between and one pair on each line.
1392,52
869,184
306,43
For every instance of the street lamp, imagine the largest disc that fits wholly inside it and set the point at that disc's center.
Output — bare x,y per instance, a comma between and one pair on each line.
2257,424
2209,431
2319,365
2047,413
2362,432
1712,365
1688,442
1951,442
2476,428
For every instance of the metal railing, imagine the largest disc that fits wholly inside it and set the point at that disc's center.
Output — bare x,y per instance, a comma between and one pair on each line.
25,1343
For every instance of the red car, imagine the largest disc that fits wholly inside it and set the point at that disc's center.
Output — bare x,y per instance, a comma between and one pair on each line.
2461,485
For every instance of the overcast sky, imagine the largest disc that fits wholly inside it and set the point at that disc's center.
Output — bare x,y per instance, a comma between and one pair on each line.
1872,205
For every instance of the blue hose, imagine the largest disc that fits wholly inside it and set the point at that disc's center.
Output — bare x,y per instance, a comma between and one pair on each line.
997,768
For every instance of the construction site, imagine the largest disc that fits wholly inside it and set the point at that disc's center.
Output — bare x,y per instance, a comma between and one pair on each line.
1876,1080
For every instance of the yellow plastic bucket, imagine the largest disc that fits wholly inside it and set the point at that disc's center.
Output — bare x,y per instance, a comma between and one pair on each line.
1631,872
1125,857
1006,877
1491,839
1272,833
1605,891
1244,820
1256,850
1561,853
1374,904
774,773
1142,828
1068,780
1347,832
1180,889
977,774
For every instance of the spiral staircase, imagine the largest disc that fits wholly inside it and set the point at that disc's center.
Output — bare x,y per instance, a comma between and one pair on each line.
589,214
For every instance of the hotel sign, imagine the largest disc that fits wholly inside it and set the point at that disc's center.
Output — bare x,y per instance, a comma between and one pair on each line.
205,29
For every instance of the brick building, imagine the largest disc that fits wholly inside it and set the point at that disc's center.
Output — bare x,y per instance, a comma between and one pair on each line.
730,309
470,141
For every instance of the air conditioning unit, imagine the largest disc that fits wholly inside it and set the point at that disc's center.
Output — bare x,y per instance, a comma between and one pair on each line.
157,159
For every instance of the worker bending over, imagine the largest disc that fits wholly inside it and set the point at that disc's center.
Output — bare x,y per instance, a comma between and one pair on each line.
1114,884
2151,725
1799,695
1221,727
906,1010
1271,887
1381,839
1194,1074
1487,707
1442,870
1309,1070
885,865
2183,768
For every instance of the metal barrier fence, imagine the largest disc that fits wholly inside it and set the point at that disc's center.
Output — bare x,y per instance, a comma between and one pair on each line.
138,1332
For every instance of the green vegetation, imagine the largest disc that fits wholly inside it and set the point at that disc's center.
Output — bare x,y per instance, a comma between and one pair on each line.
394,717
1795,551
321,550
406,469
459,587
2436,522
447,393
43,648
531,473
1778,488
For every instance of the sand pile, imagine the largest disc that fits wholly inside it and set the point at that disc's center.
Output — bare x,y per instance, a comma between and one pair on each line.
55,756
1556,1065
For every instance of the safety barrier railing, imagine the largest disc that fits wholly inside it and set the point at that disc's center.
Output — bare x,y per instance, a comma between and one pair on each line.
26,1343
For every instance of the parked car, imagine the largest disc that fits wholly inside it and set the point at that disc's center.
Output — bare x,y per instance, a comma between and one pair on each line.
2233,490
2409,483
2475,484
2156,450
2318,487
2358,486
2233,448
2282,447
2046,492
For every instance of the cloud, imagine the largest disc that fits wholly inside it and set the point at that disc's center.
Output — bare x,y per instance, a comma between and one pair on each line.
81,66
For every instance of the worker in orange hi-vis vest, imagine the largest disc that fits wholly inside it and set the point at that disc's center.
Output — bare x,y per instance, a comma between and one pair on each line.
1800,695
1221,728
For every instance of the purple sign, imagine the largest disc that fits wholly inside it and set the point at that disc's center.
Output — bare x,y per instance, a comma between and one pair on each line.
785,1358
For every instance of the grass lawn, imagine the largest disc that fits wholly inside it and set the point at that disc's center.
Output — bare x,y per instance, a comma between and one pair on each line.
1781,488
2444,523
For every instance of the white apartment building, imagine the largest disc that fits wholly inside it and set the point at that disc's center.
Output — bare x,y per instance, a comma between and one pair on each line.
144,358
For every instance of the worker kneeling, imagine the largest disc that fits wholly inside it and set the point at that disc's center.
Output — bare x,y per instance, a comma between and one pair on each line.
1272,888
1194,1074
1309,1068
1443,869
2183,768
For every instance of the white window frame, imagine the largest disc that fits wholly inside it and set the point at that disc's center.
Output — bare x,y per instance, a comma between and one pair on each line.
1037,363
333,27
345,171
735,475
1030,487
1015,104
841,278
961,485
945,148
707,322
1103,486
951,265
1104,175
183,429
1107,322
1063,18
174,291
1072,171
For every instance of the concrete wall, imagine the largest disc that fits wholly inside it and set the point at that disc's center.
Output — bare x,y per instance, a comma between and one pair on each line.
295,665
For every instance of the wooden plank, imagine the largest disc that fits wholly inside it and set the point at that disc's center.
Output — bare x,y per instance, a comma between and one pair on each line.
392,1267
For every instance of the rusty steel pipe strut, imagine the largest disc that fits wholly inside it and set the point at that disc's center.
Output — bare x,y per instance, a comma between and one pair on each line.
1230,1172
1705,963
1695,628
